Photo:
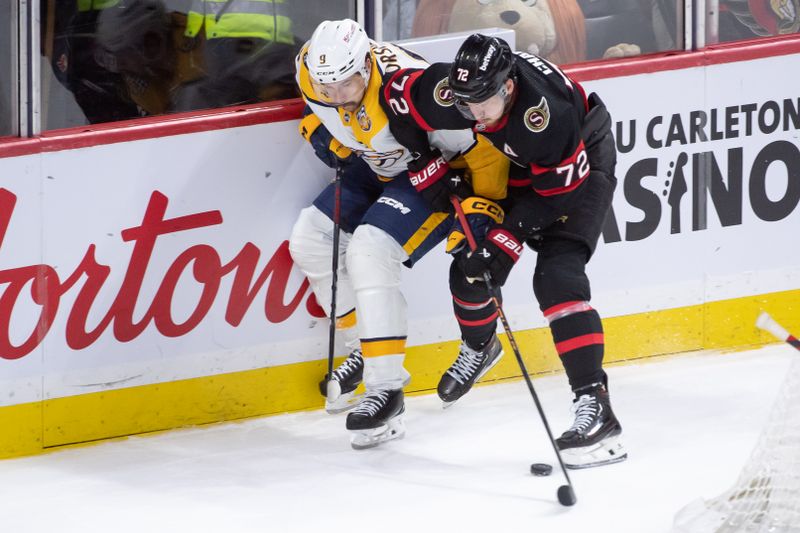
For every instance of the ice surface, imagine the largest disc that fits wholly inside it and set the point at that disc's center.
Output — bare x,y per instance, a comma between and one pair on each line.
689,425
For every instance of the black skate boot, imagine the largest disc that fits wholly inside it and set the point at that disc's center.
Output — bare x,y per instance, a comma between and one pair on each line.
378,418
339,392
469,367
593,439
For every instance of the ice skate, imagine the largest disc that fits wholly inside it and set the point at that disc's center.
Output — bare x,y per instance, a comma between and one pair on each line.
340,391
377,418
594,438
468,368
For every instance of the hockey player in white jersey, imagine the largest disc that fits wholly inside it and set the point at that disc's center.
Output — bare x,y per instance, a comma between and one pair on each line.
386,223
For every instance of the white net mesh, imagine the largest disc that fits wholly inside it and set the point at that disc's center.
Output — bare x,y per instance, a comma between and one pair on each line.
766,497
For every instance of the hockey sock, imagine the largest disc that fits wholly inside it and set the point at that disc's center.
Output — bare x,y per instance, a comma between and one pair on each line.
578,336
477,320
473,307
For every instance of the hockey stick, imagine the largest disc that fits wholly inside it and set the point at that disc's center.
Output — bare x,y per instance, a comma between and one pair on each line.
767,323
566,493
337,208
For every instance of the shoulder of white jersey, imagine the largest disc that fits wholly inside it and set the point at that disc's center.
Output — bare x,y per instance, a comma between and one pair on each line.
390,58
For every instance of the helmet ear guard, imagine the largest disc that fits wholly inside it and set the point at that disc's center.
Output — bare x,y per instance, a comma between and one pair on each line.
337,50
480,69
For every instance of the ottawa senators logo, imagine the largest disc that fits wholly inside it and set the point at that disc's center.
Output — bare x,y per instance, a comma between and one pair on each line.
443,94
363,119
538,117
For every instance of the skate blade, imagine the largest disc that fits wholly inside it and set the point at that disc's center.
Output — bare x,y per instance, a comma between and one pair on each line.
607,451
363,439
343,403
447,405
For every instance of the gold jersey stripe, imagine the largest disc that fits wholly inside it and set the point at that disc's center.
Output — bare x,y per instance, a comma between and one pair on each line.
424,230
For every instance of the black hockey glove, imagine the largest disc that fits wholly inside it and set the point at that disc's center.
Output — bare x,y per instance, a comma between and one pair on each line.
433,178
598,138
329,150
497,255
481,215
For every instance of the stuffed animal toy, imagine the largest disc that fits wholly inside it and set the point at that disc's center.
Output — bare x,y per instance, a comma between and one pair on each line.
553,29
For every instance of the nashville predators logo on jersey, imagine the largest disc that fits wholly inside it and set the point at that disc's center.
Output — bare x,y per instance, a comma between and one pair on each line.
443,94
382,159
538,117
363,119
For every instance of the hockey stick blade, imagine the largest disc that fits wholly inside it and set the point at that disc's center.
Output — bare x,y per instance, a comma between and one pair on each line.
767,323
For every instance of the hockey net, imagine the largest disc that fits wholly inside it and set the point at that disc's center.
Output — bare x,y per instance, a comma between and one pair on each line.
766,497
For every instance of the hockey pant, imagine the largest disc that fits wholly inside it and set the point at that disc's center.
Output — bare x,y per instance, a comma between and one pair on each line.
391,229
563,292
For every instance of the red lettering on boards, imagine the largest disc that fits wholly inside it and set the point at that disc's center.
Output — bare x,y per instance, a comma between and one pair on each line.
202,260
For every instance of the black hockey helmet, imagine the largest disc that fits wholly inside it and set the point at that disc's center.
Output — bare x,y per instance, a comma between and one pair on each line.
481,67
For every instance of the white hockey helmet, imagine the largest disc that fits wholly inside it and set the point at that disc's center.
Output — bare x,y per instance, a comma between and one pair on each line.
337,50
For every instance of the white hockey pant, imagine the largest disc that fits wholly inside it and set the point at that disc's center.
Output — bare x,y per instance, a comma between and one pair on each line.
311,247
374,261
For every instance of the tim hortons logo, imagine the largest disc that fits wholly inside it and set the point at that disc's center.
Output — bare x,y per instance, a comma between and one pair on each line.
41,285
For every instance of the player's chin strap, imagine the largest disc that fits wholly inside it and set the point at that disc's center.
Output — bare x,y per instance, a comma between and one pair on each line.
566,493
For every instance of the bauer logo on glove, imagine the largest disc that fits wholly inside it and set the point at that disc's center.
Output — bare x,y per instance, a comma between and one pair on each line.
433,178
495,256
431,170
481,214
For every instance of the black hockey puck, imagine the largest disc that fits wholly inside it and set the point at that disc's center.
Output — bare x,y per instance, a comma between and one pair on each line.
541,469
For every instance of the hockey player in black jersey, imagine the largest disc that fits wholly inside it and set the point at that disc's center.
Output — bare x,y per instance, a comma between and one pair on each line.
560,188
